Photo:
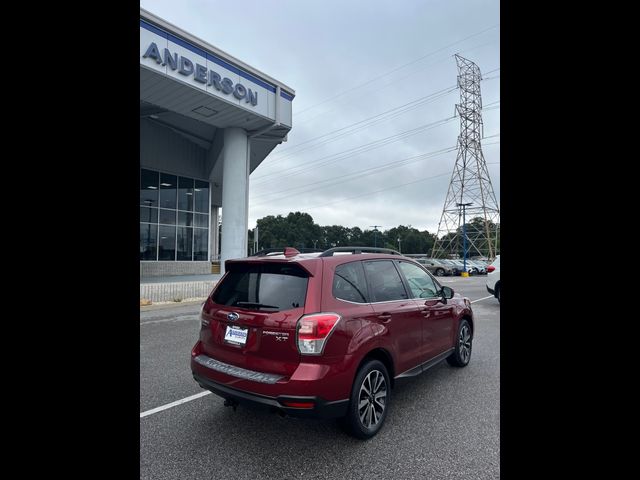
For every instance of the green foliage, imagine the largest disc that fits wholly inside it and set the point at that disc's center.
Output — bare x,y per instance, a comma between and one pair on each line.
299,230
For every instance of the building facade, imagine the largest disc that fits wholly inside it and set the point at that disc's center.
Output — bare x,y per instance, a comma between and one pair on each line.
207,120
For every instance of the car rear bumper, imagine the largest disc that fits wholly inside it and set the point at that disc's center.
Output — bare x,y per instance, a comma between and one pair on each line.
321,408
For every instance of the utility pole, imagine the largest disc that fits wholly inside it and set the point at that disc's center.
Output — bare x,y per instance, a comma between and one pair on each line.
470,182
375,234
399,245
464,232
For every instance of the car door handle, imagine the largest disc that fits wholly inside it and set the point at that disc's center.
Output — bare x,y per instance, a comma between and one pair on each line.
385,317
425,312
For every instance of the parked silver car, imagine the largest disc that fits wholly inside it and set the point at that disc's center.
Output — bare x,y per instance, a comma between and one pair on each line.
436,266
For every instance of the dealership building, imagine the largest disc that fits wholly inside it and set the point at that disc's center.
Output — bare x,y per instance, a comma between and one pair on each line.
207,120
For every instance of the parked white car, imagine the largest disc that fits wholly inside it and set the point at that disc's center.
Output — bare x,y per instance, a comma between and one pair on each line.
493,278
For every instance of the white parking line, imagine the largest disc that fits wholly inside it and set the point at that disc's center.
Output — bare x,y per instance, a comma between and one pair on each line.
483,298
173,404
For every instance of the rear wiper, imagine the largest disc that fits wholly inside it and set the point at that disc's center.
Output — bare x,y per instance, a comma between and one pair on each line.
255,305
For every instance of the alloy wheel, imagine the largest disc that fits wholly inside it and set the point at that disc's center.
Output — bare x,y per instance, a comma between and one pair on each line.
372,399
464,343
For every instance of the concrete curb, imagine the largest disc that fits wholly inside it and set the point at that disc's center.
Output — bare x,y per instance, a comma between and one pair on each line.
169,305
168,292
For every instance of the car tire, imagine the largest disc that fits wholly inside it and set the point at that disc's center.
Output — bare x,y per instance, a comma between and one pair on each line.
362,420
461,354
439,272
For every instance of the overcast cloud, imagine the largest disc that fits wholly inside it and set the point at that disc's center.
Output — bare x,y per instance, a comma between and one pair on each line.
321,49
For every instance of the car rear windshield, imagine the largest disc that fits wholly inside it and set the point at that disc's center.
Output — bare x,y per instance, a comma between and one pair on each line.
264,286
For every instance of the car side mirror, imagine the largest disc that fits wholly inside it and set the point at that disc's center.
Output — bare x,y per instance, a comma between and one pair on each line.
447,292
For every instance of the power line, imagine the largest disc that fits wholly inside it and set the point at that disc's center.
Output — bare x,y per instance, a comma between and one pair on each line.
355,175
431,96
350,153
385,189
395,70
381,190
393,111
363,148
354,151
398,80
360,174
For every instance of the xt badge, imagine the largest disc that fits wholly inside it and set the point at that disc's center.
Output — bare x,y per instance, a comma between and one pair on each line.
280,336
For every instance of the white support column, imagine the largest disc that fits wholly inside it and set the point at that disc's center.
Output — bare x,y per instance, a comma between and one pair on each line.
235,185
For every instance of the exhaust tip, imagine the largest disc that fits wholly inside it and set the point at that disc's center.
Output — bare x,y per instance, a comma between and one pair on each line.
278,411
230,402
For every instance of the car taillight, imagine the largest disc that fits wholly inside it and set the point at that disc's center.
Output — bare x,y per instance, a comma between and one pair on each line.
490,268
314,330
197,349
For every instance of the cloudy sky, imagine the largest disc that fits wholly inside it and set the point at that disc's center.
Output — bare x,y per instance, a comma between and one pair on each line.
373,131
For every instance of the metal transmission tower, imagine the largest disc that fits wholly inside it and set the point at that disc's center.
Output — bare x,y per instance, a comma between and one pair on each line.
470,182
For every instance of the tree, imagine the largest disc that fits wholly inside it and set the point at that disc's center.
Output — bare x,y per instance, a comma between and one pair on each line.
273,231
299,230
411,240
355,236
295,230
302,230
335,236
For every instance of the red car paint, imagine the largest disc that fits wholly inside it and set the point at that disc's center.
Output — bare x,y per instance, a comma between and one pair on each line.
405,334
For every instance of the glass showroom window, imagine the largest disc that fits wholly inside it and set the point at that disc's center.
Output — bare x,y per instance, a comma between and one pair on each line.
174,217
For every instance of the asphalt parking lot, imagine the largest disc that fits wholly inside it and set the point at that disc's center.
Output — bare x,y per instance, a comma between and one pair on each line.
443,424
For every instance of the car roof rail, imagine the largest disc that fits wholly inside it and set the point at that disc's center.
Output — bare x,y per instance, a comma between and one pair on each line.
267,251
276,251
356,250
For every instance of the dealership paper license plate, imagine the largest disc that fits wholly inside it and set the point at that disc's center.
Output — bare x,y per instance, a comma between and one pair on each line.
237,335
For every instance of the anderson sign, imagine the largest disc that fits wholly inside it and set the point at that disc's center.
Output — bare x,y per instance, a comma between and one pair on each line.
200,74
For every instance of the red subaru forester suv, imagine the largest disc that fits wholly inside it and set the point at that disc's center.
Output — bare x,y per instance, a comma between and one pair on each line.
327,334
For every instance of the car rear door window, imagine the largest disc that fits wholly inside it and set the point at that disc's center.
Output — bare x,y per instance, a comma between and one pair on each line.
263,286
384,281
349,283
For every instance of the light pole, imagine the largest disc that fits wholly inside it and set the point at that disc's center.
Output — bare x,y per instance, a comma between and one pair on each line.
464,232
399,245
375,234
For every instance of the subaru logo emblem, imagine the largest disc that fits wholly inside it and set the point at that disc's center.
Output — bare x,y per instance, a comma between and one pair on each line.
233,316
